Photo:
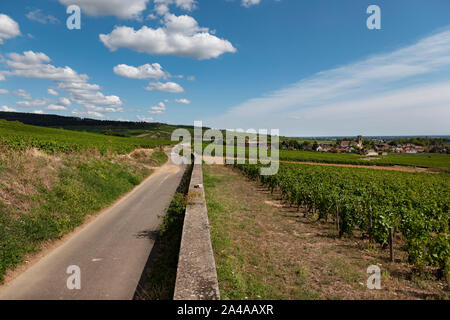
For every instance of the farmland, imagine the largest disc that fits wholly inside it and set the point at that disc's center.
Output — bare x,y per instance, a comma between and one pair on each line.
438,162
18,136
415,205
441,161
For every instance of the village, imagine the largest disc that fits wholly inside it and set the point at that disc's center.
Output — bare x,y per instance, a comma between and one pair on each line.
368,147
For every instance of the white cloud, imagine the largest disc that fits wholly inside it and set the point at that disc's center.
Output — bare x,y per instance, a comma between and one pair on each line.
183,101
52,92
7,109
129,9
144,119
64,102
31,104
406,91
145,71
249,3
159,109
8,28
36,65
162,6
171,87
38,112
38,16
86,114
180,36
56,107
4,91
22,94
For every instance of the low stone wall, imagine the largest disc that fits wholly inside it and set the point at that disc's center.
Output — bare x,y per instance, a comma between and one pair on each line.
196,274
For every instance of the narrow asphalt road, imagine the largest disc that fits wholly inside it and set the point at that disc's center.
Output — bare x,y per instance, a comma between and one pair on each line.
111,251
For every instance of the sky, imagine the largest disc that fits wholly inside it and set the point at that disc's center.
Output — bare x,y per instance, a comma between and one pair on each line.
307,68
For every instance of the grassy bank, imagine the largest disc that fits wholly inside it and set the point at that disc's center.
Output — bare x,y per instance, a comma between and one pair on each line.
44,196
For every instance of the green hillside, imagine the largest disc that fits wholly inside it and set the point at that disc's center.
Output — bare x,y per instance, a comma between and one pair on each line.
20,136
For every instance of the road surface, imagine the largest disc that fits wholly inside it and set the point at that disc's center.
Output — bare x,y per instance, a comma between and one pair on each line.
111,252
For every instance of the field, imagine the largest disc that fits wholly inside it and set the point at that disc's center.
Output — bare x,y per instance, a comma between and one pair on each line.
416,205
266,249
18,136
441,161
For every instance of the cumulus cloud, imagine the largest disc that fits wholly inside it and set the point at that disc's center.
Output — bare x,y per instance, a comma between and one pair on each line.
38,112
130,9
180,36
52,92
183,101
390,93
145,71
31,104
249,3
171,87
56,107
36,65
7,109
159,109
8,28
162,6
64,102
87,114
4,91
38,16
22,94
144,119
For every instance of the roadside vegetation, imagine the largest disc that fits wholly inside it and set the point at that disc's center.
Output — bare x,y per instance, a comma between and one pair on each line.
265,248
158,279
51,180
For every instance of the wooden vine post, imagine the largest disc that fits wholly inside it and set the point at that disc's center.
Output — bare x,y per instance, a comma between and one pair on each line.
391,243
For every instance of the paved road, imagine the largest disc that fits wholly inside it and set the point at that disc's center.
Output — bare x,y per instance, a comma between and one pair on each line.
111,251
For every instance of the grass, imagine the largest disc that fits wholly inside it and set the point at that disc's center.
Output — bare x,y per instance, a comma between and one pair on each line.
245,268
43,197
265,249
158,281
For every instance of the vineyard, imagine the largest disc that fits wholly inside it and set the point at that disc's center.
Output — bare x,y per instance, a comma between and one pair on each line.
18,136
441,161
416,205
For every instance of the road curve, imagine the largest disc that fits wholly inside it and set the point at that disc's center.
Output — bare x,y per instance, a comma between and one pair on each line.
111,251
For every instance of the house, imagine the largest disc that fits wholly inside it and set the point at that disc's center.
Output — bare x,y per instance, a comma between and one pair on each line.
411,150
370,152
324,148
348,144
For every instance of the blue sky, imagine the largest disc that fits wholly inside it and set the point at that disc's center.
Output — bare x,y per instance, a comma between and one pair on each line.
308,68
